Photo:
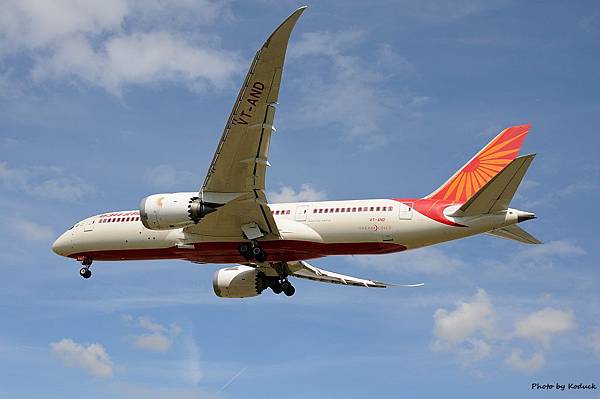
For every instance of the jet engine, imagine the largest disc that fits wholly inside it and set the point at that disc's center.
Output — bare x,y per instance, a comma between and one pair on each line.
173,210
239,282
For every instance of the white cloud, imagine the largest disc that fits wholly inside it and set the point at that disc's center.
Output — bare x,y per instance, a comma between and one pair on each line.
477,350
153,342
516,361
32,231
306,193
192,372
471,317
349,92
561,248
425,260
149,325
472,332
34,24
92,358
541,325
116,43
160,338
48,182
139,59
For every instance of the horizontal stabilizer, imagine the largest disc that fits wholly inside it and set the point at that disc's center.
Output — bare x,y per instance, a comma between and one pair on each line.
514,232
302,269
496,194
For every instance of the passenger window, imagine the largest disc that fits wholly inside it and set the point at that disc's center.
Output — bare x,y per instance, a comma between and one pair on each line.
372,209
342,210
320,210
337,210
326,210
287,212
353,209
377,209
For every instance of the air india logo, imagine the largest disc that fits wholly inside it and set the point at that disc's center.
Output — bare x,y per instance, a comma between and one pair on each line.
486,164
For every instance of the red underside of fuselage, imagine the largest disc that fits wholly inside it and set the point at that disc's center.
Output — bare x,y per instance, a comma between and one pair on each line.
228,252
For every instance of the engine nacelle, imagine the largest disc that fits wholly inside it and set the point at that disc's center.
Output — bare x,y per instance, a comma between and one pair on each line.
173,210
238,282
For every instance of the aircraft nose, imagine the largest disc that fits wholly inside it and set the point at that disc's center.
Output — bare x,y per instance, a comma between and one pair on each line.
61,245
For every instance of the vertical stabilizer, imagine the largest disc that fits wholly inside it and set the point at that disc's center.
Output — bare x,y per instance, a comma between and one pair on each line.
486,164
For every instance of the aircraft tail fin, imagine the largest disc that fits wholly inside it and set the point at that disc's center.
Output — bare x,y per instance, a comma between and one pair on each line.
486,164
497,193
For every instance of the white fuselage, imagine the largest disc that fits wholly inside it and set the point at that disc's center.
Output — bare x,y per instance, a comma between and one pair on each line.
308,230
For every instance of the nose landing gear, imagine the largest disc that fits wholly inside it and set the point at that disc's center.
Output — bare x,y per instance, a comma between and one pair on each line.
85,271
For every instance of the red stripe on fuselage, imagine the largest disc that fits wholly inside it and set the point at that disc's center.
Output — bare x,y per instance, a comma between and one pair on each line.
431,208
227,252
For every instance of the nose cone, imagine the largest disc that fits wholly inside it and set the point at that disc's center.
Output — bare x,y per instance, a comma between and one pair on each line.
61,245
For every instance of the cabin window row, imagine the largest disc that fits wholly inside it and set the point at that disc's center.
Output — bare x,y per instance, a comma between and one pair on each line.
281,212
111,220
355,209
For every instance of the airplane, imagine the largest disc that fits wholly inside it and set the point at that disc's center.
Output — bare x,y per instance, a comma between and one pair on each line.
230,221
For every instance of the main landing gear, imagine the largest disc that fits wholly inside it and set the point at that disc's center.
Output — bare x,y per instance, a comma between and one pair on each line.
85,271
253,251
282,285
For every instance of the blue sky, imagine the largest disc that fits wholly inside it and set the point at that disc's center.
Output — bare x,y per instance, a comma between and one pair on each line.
102,104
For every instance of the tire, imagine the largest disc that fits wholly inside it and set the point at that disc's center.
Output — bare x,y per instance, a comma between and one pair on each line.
276,288
261,257
290,290
244,248
83,271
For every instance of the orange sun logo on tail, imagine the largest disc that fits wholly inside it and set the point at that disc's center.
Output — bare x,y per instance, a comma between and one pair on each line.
484,166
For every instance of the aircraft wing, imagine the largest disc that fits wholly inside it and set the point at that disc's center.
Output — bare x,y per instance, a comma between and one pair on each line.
304,270
243,214
240,161
237,171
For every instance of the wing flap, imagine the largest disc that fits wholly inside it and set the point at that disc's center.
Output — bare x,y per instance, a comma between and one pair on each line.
227,220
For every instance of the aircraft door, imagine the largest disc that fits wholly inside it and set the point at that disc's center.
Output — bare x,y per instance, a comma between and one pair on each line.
89,225
405,211
301,213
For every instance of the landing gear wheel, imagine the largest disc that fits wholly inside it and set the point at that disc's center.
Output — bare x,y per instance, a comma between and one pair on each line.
85,272
261,256
288,288
289,291
276,287
246,251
